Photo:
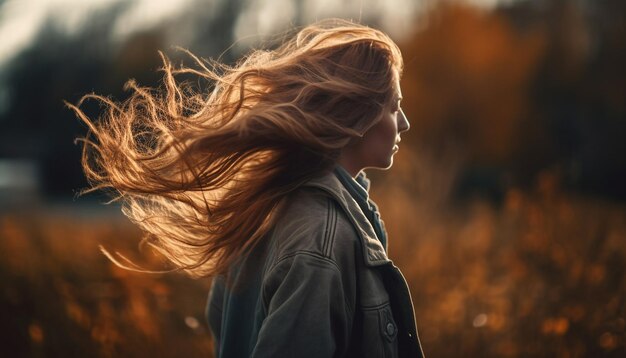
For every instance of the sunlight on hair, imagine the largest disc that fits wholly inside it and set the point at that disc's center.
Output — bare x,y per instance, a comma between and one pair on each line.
204,174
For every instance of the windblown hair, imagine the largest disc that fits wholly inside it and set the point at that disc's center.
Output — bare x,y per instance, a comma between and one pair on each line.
205,175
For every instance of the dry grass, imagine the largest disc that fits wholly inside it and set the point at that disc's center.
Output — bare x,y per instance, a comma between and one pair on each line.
542,275
61,297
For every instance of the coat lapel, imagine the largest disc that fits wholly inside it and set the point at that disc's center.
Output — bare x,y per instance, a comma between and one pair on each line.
374,253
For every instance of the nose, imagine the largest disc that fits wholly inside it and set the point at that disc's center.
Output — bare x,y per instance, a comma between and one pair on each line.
403,122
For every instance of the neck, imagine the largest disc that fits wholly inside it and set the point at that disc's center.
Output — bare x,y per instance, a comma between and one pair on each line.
349,166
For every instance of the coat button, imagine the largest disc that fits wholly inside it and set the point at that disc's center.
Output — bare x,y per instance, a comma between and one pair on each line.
391,329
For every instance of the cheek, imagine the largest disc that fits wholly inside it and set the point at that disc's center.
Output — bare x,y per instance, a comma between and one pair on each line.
381,138
386,132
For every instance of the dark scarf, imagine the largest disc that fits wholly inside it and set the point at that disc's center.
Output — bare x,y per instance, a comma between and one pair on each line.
358,188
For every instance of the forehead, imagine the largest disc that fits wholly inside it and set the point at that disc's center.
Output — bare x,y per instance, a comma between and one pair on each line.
397,90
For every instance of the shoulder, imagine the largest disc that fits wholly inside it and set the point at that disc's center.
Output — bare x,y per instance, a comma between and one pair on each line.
313,223
313,244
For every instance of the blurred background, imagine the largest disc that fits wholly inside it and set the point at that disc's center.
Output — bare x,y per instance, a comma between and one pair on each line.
505,207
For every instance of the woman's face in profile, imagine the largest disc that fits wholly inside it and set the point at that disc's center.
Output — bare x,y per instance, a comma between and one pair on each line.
378,145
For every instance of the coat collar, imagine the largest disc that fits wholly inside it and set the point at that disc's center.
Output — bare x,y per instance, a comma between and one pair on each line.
374,253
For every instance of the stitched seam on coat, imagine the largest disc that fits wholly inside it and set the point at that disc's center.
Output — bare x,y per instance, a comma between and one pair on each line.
287,257
327,229
377,307
350,310
303,252
332,211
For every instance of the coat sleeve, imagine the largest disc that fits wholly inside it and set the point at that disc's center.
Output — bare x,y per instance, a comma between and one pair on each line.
307,312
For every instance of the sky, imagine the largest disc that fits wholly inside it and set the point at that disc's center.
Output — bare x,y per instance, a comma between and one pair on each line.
20,20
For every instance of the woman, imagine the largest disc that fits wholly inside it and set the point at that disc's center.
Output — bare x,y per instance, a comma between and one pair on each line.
260,185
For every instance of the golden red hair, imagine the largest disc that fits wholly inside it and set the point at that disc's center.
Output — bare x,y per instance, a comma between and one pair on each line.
204,175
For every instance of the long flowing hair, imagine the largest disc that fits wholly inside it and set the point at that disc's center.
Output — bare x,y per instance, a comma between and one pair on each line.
205,175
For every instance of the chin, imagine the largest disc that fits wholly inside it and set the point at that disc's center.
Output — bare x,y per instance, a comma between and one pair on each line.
389,165
388,162
383,164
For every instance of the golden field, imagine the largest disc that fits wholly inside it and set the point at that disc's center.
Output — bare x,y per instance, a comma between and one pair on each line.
542,274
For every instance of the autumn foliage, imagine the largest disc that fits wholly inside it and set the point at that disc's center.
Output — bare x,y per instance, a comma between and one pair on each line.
504,208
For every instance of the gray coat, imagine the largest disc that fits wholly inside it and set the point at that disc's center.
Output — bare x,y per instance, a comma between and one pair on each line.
320,285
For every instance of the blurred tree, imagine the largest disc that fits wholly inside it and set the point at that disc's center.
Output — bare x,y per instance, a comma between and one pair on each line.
509,94
495,97
579,93
468,75
35,125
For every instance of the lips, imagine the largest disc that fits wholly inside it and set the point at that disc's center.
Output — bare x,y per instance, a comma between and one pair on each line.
396,146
